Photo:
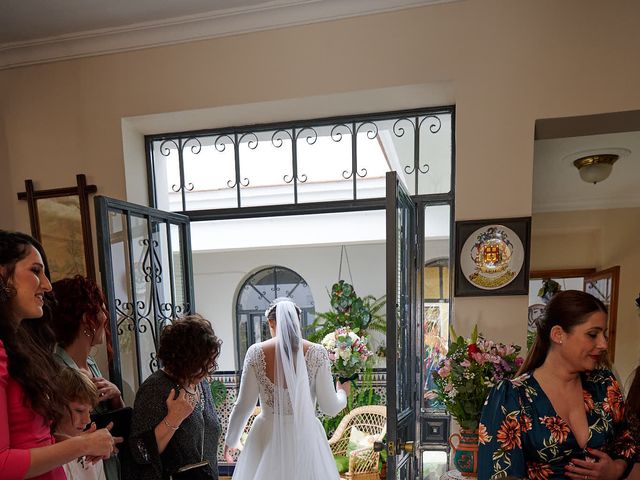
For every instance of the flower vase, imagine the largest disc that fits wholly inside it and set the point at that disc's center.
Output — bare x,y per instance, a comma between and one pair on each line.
465,451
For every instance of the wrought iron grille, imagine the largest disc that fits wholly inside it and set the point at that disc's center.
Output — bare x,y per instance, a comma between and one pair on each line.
303,162
145,264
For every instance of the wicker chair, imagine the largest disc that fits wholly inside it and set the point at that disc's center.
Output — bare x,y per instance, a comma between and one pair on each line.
363,463
247,428
254,414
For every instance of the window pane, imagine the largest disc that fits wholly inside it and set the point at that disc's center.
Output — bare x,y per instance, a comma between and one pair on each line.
435,154
436,306
324,163
209,173
265,169
434,464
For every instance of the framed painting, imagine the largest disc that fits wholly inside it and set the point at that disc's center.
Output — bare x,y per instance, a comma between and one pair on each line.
60,221
492,257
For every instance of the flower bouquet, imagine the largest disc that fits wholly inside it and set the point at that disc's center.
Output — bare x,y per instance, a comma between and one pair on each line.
348,353
471,367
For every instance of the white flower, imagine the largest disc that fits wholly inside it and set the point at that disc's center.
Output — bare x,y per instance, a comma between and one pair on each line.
344,353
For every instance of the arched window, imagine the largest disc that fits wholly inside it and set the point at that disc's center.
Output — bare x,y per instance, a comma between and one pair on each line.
257,292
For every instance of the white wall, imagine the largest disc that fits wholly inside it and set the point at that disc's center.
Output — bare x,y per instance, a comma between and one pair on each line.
219,276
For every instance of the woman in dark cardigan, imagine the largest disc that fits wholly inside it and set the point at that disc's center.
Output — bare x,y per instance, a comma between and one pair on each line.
174,423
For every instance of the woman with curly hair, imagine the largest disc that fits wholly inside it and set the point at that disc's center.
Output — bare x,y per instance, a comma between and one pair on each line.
80,322
563,416
30,400
174,422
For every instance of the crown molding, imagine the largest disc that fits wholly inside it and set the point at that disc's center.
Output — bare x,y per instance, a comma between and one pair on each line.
606,203
217,23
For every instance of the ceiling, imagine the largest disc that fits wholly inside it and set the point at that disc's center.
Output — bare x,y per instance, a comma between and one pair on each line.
37,31
556,182
61,17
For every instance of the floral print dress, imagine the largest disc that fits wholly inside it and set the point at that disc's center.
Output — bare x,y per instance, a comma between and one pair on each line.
521,435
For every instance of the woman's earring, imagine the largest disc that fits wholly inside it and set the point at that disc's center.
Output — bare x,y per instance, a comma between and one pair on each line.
89,334
7,292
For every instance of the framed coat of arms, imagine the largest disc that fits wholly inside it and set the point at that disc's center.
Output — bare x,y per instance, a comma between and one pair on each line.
492,257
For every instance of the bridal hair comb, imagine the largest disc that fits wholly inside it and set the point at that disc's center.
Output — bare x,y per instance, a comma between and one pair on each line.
271,310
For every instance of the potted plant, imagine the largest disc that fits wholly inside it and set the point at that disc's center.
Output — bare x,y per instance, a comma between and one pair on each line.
361,314
218,392
462,382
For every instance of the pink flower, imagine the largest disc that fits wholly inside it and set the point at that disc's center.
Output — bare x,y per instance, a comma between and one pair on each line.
444,371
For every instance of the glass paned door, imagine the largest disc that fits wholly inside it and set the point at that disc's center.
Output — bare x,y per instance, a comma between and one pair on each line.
401,331
145,264
604,286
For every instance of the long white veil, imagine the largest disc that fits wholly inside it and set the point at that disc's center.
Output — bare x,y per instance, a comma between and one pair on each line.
298,437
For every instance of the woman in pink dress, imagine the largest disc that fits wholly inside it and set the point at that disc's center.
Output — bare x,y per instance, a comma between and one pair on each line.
30,401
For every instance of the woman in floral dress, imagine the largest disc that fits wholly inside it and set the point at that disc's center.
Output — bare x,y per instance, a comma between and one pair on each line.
563,416
633,416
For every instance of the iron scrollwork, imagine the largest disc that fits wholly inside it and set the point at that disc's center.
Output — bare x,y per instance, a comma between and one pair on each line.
397,125
180,144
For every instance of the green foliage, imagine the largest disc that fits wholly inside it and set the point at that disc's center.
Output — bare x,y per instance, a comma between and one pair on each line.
360,314
218,392
383,454
359,395
531,337
342,463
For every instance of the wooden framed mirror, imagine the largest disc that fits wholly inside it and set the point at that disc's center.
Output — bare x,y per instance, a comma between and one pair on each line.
59,220
602,284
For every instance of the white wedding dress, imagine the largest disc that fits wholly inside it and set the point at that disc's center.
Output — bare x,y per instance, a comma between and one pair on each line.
280,444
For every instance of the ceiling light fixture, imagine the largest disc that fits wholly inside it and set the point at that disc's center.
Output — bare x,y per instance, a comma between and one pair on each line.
595,168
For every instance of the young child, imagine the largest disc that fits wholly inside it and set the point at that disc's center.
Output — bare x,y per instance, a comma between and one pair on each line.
82,397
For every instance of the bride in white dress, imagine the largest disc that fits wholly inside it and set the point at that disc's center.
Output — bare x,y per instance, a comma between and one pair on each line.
288,374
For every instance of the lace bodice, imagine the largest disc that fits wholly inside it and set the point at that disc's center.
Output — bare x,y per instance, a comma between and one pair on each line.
255,385
315,358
